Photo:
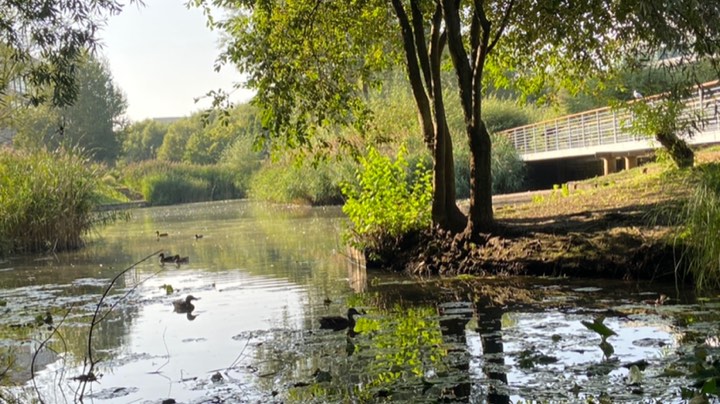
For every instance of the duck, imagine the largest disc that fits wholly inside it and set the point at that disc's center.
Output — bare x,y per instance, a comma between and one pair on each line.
183,260
184,305
337,323
164,259
198,236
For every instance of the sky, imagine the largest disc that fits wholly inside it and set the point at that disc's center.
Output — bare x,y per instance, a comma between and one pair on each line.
162,57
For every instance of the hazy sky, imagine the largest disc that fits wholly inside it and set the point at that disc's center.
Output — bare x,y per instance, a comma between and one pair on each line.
162,56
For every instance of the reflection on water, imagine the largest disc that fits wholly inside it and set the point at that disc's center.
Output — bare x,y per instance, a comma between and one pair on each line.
264,275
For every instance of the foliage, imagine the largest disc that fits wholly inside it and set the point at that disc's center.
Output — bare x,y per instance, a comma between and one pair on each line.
298,97
220,131
303,182
241,158
46,200
393,123
88,123
163,183
501,114
700,224
666,120
384,205
176,138
36,127
43,40
142,140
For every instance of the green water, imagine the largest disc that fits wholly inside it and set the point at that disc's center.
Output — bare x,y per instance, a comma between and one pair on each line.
264,276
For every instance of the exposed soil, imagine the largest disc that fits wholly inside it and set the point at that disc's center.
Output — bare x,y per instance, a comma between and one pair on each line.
618,226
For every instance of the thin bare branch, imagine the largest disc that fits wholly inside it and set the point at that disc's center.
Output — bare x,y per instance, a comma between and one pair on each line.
89,375
503,25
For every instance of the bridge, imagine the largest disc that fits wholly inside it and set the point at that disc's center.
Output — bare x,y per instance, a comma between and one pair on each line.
604,134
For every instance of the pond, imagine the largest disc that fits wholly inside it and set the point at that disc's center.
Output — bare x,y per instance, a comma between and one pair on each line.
264,275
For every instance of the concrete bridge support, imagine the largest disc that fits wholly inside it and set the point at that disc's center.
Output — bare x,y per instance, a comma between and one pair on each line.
609,160
631,161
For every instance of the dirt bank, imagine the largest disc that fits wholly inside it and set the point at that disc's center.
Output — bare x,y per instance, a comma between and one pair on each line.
619,226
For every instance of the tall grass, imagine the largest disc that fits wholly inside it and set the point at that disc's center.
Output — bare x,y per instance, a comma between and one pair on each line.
46,200
311,183
165,182
700,225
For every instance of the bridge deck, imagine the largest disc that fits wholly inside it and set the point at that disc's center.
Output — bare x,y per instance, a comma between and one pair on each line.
606,131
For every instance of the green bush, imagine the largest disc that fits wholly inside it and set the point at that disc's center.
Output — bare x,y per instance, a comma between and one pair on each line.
164,182
385,205
306,182
46,200
242,160
500,114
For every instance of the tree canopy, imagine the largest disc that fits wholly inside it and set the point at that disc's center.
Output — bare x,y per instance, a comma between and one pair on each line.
41,41
90,122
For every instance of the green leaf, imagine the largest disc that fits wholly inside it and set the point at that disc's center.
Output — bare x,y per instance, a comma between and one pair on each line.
600,328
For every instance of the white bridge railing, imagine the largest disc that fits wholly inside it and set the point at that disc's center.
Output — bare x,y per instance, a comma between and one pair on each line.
606,130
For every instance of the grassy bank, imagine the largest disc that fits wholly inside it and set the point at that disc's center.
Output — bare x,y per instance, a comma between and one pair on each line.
47,200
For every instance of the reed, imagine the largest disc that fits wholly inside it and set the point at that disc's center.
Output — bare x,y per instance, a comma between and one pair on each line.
46,200
165,182
700,226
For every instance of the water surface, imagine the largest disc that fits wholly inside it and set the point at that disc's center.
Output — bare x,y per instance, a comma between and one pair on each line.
266,274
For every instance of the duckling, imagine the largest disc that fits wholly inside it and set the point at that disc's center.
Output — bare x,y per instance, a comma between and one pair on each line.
183,260
164,259
184,306
337,323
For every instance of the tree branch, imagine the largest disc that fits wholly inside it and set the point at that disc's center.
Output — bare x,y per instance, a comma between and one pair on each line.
414,75
480,55
437,43
458,54
503,25
421,48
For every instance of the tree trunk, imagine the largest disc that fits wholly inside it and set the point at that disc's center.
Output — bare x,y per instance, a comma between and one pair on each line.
481,212
457,220
469,71
439,204
679,150
423,66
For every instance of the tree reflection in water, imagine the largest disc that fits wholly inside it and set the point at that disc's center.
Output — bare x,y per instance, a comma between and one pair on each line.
490,329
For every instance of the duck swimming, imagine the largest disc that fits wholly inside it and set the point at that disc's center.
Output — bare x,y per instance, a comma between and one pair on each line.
184,305
183,260
164,260
337,323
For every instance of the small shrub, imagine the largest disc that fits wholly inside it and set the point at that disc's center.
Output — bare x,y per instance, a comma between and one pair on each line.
384,205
